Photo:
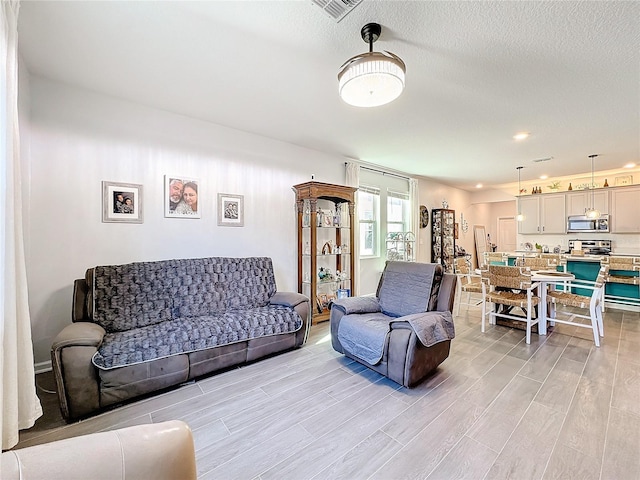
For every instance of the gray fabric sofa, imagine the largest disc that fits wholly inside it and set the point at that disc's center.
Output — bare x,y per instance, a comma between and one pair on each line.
145,326
405,331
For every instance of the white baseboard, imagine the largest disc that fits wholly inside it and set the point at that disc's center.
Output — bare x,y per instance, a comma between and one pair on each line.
42,367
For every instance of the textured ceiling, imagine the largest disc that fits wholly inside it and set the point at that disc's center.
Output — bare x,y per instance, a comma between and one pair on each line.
477,73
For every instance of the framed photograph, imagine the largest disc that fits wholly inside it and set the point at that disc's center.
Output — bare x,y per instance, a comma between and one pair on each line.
343,292
623,180
230,210
181,197
121,202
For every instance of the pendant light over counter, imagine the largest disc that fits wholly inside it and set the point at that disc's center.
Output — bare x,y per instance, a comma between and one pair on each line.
592,212
519,216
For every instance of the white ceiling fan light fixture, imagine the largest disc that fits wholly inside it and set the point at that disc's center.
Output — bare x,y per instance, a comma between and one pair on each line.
373,78
519,216
593,212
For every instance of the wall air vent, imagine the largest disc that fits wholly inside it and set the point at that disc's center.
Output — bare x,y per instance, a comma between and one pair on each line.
337,9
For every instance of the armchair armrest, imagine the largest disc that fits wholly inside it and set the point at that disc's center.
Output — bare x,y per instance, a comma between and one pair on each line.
351,305
75,374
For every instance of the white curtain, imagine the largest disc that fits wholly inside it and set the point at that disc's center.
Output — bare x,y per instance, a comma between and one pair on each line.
19,405
353,180
414,198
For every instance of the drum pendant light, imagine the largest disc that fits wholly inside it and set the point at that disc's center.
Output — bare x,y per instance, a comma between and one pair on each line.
373,78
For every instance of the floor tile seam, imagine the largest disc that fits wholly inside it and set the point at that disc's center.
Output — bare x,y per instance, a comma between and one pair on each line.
261,419
258,445
378,380
464,435
613,388
298,385
550,370
566,415
318,476
495,400
220,401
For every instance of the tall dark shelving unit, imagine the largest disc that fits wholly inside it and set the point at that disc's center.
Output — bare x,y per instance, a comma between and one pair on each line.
443,241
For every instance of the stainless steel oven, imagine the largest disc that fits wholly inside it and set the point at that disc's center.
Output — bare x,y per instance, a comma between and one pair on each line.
582,223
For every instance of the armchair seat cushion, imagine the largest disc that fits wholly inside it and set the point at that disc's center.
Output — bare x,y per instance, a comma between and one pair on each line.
366,335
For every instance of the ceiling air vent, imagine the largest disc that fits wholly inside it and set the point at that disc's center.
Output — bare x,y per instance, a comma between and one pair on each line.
337,9
545,159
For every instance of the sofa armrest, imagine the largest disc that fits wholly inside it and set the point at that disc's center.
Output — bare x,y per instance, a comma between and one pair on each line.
76,377
301,304
288,299
162,451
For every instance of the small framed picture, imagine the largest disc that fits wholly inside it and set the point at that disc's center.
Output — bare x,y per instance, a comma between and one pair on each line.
230,210
343,292
121,202
623,180
181,197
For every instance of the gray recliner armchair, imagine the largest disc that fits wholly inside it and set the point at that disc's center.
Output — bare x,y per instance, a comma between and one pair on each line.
405,331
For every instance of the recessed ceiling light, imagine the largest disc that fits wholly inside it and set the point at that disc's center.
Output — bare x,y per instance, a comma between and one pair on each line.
479,185
521,135
630,165
544,177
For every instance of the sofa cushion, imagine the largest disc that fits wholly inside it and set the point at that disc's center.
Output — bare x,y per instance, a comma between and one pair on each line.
140,294
132,295
407,288
189,334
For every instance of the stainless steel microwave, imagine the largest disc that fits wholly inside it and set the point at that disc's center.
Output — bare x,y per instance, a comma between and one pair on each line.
582,223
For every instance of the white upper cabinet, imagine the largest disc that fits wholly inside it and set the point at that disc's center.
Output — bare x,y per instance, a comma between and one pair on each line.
544,214
625,210
579,202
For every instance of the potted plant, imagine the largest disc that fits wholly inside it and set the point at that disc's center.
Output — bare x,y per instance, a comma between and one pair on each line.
539,248
554,187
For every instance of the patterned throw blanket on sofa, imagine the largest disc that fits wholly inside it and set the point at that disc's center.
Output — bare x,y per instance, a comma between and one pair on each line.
152,310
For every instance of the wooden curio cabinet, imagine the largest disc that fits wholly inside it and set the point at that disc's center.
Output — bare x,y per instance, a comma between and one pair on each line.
325,243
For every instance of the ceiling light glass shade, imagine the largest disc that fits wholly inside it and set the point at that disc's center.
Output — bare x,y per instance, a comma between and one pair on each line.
593,213
371,79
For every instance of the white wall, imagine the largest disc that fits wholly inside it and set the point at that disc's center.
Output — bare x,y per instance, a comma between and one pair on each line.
77,139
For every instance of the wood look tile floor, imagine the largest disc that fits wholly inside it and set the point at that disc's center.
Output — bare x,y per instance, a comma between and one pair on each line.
496,408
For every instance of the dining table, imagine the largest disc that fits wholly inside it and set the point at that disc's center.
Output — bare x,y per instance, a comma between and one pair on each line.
545,279
548,279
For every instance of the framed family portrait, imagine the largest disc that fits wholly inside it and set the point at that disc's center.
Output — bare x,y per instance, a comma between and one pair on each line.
181,197
230,210
121,202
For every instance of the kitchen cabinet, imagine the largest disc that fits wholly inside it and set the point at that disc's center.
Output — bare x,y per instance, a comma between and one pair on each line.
625,210
325,243
543,214
579,202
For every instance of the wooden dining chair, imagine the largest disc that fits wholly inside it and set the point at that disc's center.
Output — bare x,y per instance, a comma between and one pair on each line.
593,303
494,258
469,283
505,288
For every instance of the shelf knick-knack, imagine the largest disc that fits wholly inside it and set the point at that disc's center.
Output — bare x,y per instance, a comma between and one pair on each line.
606,184
570,187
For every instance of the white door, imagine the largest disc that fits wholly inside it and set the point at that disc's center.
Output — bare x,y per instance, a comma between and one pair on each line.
507,238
